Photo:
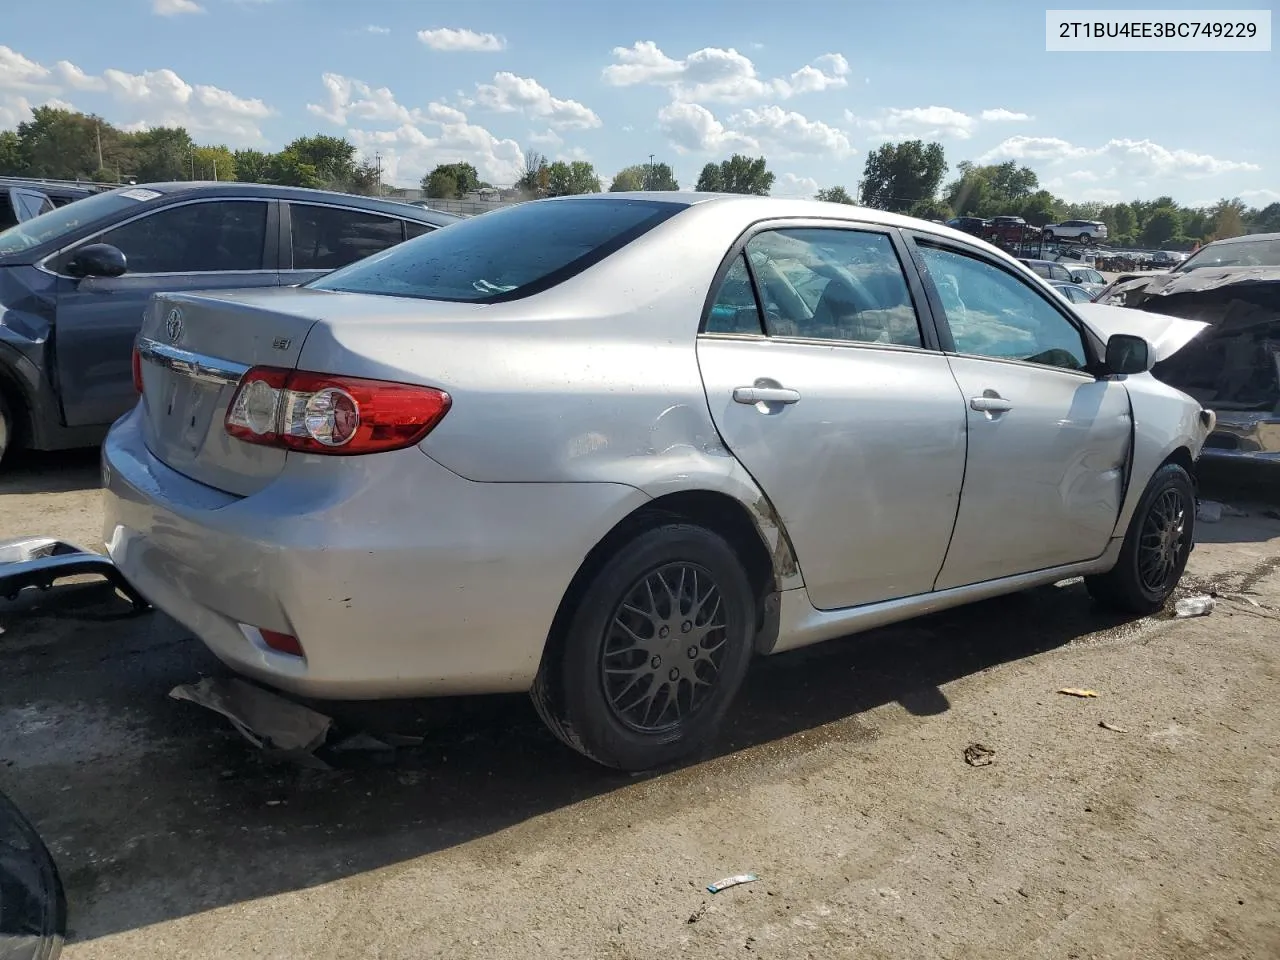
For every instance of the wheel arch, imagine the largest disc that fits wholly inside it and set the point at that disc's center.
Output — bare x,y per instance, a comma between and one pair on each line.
754,531
14,394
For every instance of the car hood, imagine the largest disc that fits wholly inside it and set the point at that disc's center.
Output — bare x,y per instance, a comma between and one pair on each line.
1167,335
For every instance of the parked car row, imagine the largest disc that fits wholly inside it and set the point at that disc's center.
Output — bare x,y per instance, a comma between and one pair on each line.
606,449
1061,271
1010,229
74,283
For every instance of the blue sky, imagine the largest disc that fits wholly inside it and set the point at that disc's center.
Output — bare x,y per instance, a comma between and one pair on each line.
812,86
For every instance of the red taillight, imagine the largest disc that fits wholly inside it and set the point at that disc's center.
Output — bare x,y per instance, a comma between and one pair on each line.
137,369
317,413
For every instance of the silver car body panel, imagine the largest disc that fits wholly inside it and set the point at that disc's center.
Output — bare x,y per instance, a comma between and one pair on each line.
436,585
874,446
571,409
1044,479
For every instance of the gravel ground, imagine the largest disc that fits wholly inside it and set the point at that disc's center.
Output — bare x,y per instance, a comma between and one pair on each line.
841,783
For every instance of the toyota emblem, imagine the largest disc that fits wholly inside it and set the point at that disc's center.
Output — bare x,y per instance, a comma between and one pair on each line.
173,325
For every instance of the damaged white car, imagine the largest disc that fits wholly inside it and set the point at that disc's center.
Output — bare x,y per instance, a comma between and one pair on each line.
607,449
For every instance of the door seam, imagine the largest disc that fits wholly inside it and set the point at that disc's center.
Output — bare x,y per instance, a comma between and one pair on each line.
964,473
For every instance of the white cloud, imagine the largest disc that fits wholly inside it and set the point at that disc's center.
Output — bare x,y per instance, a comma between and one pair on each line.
72,76
172,8
14,109
19,73
161,98
1000,114
790,185
416,139
547,138
1053,149
1260,198
1144,158
928,122
1101,194
1132,158
374,28
692,128
718,74
350,98
827,72
510,94
788,132
408,152
447,39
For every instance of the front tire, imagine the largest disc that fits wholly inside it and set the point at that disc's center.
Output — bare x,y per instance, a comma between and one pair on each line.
654,652
1156,547
6,428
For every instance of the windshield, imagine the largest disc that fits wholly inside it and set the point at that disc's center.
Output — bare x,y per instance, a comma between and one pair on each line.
61,221
1238,253
505,254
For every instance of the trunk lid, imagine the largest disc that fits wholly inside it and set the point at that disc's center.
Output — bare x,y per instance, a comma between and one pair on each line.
189,380
194,349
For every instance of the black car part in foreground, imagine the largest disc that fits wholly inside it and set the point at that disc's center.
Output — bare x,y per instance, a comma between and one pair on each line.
1233,367
33,907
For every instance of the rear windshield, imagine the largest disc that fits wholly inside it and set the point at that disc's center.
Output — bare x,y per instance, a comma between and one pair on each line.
505,254
62,221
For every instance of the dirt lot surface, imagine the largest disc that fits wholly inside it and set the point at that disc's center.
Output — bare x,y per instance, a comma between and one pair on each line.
841,783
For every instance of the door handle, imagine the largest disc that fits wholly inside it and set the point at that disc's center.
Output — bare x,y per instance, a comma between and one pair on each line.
990,404
752,395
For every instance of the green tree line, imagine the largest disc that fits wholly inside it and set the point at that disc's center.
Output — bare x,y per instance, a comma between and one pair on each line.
908,177
65,145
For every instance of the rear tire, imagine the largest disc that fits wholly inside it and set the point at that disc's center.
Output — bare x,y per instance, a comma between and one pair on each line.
1085,238
1156,547
654,652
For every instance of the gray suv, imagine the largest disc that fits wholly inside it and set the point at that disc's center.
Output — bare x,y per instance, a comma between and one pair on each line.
74,281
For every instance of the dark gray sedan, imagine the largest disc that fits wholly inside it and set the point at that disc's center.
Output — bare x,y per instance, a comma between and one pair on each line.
74,281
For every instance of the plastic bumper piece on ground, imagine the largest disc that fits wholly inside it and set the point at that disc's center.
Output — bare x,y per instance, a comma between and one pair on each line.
40,561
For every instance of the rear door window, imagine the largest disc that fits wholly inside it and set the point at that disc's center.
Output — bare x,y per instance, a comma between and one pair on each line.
735,310
204,237
326,238
833,284
504,254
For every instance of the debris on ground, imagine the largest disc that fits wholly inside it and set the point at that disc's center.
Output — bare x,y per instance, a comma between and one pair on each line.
1077,692
268,721
1193,607
698,914
1112,727
1209,511
979,755
728,882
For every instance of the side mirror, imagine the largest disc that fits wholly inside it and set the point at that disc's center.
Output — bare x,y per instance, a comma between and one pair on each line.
97,260
1128,354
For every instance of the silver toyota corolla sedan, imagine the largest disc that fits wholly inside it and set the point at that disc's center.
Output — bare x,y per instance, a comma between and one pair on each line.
606,449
